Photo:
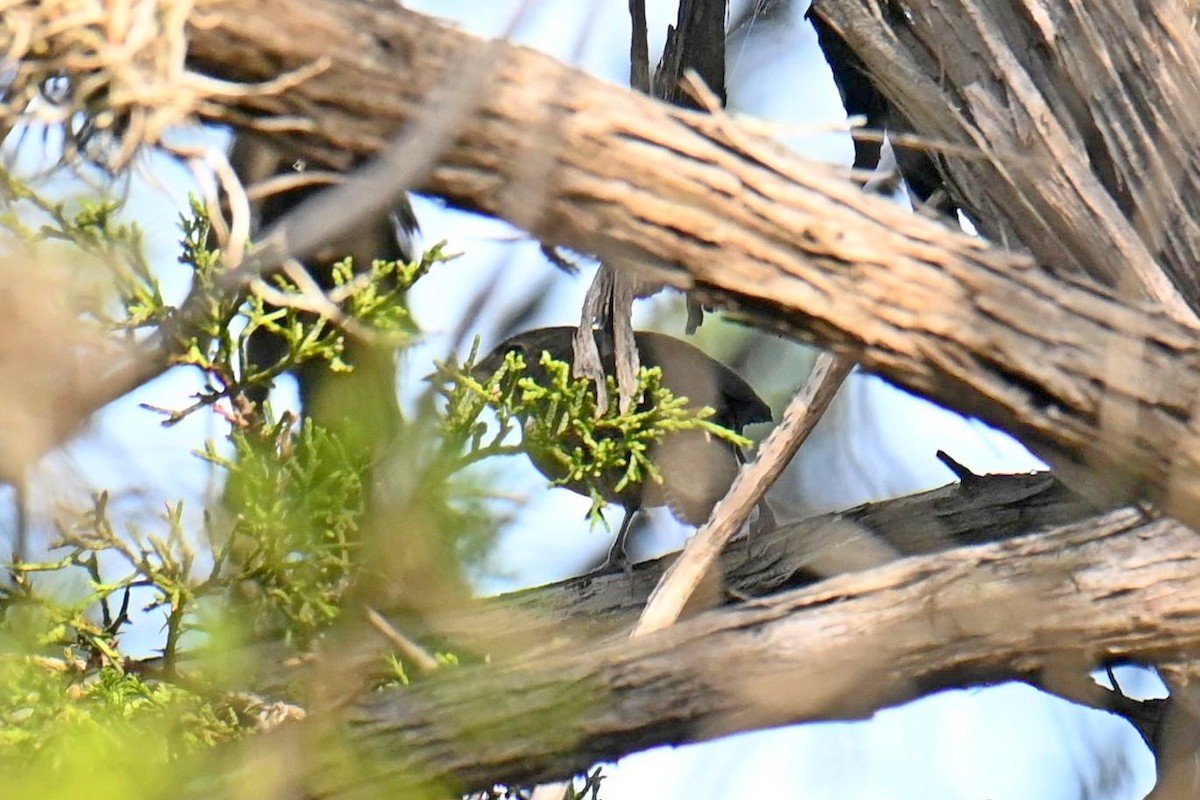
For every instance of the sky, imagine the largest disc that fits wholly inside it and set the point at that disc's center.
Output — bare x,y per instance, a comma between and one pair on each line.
876,442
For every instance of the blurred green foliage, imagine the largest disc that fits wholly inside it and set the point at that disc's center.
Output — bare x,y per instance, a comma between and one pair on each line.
275,561
307,523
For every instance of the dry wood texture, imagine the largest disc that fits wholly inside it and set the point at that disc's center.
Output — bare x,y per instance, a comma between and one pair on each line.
1114,586
562,687
1071,125
586,608
1084,377
1077,122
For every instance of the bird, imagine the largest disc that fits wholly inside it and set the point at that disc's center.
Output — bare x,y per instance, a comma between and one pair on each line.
697,468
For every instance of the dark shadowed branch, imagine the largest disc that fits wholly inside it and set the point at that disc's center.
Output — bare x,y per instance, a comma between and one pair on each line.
1038,609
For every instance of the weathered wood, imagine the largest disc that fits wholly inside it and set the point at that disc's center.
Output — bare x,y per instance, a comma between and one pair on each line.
1091,382
695,42
506,639
1043,608
582,609
1087,378
1071,125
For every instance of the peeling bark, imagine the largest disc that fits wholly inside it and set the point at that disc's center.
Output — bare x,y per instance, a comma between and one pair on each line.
1101,381
1101,386
1071,126
1118,586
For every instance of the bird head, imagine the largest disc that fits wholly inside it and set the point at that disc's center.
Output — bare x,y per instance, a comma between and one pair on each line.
530,345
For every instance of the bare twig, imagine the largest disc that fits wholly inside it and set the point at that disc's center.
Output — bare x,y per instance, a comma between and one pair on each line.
802,414
314,222
639,48
374,188
290,181
960,471
405,646
333,212
234,233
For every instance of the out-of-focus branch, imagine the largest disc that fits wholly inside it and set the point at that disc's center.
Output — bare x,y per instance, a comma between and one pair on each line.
517,631
583,609
839,650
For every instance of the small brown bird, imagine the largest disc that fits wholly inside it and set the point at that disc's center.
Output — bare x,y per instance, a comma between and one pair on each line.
697,468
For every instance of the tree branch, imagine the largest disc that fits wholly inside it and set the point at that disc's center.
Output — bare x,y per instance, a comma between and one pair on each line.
1044,108
582,609
1091,382
515,644
1101,389
1021,609
694,564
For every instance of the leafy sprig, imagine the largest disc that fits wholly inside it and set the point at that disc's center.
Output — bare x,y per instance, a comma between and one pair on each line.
558,419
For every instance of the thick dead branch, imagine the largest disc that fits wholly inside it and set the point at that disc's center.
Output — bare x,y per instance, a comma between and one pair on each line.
1076,373
525,637
1060,602
1088,380
1087,114
583,609
696,41
1084,378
